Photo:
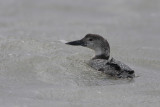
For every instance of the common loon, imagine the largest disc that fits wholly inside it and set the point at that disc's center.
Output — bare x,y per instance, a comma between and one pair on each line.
101,61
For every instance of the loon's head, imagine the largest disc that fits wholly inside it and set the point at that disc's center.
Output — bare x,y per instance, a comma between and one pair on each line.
96,43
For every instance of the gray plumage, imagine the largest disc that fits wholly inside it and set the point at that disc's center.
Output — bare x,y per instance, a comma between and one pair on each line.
101,60
112,68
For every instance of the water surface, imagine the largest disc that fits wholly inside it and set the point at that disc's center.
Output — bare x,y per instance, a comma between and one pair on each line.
37,70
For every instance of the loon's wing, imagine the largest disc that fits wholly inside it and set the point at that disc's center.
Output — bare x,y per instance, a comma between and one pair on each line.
112,67
105,66
122,66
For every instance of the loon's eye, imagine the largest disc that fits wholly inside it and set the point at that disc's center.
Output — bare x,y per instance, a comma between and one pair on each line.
90,39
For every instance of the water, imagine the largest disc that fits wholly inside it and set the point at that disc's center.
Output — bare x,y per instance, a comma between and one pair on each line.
37,70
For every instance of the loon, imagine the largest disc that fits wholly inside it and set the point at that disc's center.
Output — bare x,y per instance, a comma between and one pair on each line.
101,61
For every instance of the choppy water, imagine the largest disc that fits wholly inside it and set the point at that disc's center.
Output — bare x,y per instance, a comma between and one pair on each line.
37,70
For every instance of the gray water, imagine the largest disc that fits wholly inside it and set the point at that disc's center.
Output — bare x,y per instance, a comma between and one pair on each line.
36,70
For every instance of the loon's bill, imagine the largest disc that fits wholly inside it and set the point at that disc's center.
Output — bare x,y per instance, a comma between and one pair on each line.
101,60
76,43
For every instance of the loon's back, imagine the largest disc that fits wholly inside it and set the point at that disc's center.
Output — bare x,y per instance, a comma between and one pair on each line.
112,67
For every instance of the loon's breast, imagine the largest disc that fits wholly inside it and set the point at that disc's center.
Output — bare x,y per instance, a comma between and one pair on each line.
112,67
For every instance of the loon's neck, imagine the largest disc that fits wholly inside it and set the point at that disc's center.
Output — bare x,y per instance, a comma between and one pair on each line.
102,53
102,56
